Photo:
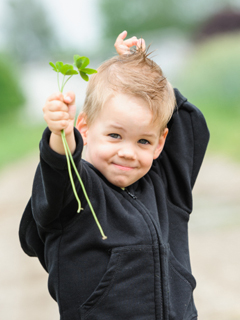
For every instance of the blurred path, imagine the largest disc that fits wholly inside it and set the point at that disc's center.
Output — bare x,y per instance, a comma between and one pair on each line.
214,245
23,282
215,240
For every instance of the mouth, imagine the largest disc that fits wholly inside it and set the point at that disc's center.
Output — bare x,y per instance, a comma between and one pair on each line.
124,168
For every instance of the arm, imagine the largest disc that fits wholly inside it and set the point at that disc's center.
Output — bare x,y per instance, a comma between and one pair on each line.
183,152
186,143
51,195
51,187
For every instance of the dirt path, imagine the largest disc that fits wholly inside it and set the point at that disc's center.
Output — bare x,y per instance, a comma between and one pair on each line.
214,244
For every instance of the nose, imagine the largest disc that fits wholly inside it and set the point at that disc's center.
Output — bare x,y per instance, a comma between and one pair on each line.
127,152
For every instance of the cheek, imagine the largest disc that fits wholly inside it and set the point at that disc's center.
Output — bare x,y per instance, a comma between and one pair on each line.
146,159
103,151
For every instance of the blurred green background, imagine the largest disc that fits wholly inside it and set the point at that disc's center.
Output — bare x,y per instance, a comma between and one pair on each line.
197,45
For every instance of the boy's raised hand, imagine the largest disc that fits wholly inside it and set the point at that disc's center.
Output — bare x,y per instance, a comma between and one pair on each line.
123,46
59,113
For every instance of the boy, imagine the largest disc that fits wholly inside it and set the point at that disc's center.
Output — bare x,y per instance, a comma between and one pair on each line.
141,193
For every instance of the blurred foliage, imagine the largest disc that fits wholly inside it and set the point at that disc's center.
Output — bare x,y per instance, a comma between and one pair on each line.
19,138
211,80
137,16
10,91
29,31
140,16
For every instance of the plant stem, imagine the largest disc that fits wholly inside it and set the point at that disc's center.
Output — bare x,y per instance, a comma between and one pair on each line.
69,156
85,194
67,80
66,148
62,84
58,81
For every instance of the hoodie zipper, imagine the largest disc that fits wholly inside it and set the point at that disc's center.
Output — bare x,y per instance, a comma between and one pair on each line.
159,242
130,194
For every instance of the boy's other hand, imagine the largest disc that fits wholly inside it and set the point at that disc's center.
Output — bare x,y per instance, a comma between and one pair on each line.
59,112
123,46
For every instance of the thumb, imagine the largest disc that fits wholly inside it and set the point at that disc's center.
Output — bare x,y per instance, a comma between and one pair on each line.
72,111
69,98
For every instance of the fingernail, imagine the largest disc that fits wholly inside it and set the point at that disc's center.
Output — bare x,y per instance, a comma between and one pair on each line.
67,99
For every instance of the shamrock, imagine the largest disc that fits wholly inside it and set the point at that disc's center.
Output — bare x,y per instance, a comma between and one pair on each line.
81,63
68,70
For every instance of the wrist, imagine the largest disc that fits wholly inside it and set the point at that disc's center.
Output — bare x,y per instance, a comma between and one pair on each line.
71,141
56,143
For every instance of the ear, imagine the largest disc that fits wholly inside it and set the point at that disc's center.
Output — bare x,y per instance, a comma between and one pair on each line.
82,126
161,143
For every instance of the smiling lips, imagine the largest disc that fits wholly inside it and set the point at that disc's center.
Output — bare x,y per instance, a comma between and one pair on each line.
124,168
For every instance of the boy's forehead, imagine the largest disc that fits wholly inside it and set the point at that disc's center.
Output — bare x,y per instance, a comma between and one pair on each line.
125,105
123,111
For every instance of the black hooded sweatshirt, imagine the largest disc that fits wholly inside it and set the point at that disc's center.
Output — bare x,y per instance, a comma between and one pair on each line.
142,271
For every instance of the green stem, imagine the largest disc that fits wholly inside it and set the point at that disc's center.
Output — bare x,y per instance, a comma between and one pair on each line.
58,81
62,84
67,80
69,155
85,193
65,145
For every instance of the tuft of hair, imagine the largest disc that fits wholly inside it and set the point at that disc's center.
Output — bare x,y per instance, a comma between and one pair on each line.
133,74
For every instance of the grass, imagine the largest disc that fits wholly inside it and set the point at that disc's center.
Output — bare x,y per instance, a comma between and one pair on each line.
211,80
17,139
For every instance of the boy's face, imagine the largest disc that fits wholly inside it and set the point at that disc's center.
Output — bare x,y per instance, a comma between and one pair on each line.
123,140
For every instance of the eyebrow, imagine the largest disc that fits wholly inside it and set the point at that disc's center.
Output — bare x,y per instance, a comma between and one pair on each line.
117,126
151,135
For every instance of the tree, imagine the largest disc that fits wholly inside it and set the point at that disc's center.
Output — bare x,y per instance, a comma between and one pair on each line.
12,97
140,16
29,32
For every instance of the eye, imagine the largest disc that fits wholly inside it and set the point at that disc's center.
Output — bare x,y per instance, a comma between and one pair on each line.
114,136
143,141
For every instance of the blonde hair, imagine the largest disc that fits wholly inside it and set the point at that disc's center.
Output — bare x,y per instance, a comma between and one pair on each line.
133,74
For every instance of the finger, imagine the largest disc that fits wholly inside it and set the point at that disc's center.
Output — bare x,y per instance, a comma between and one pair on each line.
121,37
141,44
57,126
119,40
55,96
72,111
55,105
123,50
69,98
58,116
131,42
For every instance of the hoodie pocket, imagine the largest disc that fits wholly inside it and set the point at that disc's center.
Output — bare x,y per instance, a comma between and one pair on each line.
126,290
179,284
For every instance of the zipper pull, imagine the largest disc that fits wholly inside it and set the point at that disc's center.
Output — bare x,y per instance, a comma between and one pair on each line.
130,194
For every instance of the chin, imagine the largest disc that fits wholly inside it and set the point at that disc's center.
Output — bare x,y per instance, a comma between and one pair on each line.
120,183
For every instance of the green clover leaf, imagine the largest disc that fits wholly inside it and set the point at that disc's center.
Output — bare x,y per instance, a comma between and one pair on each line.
59,65
84,76
78,61
85,62
81,62
89,71
53,66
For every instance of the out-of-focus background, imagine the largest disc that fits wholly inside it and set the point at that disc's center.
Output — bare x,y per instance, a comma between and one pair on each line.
197,44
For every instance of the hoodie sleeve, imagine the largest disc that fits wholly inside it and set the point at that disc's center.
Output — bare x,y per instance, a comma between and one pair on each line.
183,152
52,189
51,193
